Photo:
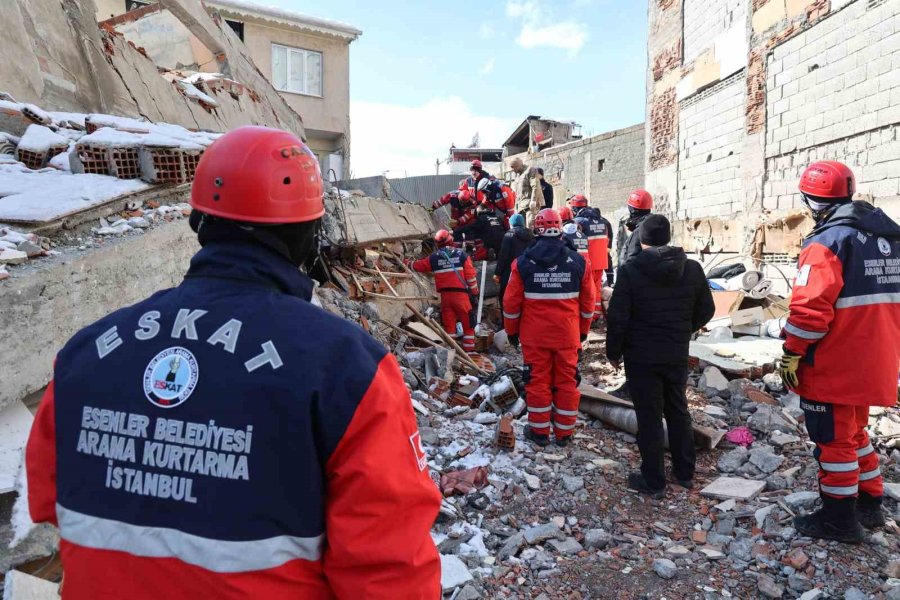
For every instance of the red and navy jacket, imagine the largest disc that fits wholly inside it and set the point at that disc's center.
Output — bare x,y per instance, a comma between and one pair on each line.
577,240
845,309
502,199
461,212
227,439
599,234
549,300
452,268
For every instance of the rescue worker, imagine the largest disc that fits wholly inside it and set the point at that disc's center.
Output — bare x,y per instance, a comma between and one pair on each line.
546,189
477,171
599,238
462,207
455,280
488,228
177,488
844,314
524,190
549,302
573,235
640,202
514,243
500,197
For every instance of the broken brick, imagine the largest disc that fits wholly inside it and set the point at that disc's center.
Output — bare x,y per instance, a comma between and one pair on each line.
698,537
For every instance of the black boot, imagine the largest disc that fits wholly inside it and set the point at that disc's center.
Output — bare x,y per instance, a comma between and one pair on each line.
542,440
562,442
836,520
637,483
868,511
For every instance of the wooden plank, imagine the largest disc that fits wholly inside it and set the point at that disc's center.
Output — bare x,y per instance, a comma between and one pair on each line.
424,331
386,282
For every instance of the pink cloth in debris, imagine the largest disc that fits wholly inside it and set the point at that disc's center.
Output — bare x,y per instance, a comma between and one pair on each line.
740,436
463,482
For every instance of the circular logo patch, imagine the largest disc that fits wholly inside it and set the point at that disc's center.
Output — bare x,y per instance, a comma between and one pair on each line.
884,246
171,377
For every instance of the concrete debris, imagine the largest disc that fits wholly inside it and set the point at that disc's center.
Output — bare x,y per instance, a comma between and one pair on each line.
733,487
665,568
454,572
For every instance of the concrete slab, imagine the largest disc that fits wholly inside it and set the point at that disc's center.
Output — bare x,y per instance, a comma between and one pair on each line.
742,353
15,423
733,487
68,292
22,586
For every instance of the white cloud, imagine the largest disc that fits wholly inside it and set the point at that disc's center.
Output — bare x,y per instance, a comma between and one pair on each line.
541,29
486,31
408,139
566,36
487,68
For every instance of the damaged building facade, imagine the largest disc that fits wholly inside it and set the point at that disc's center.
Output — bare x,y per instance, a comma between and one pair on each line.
743,94
604,167
306,59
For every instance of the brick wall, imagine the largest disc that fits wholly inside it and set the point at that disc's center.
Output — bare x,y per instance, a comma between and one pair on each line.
706,19
833,92
711,133
576,168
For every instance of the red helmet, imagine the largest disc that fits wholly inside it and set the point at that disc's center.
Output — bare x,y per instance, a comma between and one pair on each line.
464,195
578,201
566,214
259,175
462,184
476,164
547,223
828,179
443,238
640,199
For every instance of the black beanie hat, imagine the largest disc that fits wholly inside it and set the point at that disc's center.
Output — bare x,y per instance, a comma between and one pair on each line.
655,230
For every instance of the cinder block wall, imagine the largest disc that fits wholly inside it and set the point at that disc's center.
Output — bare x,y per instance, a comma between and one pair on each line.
606,167
743,94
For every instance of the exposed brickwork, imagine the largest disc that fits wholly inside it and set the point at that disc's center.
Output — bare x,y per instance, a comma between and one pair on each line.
817,10
666,61
756,92
663,130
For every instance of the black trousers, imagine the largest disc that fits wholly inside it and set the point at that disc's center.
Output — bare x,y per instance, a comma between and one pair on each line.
659,390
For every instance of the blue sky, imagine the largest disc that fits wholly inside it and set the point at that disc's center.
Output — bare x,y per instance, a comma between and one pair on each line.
425,74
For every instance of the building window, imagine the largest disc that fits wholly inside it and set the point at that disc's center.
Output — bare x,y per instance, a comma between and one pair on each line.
134,4
237,27
296,70
600,164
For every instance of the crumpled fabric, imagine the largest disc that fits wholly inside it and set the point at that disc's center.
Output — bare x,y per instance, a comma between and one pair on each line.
464,482
742,436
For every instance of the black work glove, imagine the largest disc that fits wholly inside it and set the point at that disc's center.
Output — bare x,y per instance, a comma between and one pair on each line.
514,340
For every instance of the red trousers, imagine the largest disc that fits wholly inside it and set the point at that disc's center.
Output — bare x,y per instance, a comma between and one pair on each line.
598,304
847,462
551,389
456,308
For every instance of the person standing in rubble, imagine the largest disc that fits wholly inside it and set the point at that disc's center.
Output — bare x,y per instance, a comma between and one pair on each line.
524,190
841,350
177,488
549,304
456,281
661,298
546,189
640,203
514,243
487,228
599,238
573,235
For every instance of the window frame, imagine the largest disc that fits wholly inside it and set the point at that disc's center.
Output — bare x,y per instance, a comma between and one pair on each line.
287,66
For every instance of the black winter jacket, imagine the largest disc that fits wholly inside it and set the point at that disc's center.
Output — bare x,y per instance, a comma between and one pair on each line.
514,244
486,227
633,244
661,298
